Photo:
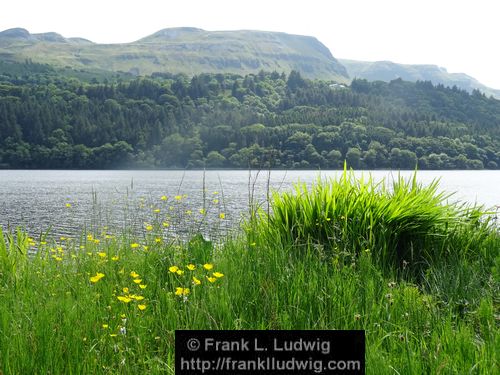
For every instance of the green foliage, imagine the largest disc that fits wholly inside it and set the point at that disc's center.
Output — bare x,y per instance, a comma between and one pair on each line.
49,119
404,224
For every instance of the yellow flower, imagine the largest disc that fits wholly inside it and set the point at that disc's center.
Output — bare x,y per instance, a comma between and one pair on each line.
113,335
142,286
196,281
156,210
165,224
222,215
216,201
134,274
124,299
98,276
115,258
208,266
125,290
149,227
90,237
211,279
202,211
182,291
68,205
173,269
141,307
163,198
105,326
137,298
191,267
218,275
102,255
134,245
137,281
158,240
180,272
97,241
178,197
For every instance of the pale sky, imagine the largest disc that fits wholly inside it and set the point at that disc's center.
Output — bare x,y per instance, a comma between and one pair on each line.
460,35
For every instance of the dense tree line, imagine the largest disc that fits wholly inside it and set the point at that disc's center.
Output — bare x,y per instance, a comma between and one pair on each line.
54,120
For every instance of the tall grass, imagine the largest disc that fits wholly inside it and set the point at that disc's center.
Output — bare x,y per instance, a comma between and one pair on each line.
403,224
60,311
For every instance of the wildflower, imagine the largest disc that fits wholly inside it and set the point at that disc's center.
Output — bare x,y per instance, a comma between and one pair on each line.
125,290
222,215
216,201
124,299
357,317
141,307
123,316
203,211
137,281
196,281
115,258
137,298
189,212
158,240
142,286
392,284
97,241
134,245
181,291
102,255
134,274
113,335
173,269
163,198
105,326
90,237
178,197
165,224
208,266
145,248
212,279
156,210
218,275
98,276
180,272
68,205
191,267
149,227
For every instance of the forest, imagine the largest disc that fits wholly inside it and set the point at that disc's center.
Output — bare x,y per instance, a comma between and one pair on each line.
68,119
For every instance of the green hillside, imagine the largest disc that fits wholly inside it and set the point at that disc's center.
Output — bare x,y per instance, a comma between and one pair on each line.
387,71
180,50
50,119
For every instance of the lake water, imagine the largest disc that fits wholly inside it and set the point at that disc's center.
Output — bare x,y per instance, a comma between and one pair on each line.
64,202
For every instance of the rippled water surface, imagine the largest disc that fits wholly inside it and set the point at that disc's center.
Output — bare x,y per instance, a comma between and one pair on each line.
66,201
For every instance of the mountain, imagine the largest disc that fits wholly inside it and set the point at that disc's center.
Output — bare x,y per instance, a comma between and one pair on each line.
180,50
388,71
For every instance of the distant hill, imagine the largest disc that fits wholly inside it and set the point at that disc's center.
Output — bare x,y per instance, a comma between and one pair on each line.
180,50
388,71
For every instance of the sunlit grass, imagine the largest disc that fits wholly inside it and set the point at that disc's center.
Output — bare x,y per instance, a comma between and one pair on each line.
421,277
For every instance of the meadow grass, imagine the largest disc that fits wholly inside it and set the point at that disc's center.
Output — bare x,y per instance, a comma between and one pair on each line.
420,276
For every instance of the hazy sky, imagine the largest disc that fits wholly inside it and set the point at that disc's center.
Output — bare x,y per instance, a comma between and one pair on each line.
460,35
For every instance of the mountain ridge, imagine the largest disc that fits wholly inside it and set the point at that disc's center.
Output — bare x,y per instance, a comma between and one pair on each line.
181,50
387,71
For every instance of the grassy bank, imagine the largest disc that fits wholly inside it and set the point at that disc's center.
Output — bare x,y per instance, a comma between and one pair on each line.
420,276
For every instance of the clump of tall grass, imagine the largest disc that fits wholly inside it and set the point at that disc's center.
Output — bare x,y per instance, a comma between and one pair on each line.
403,223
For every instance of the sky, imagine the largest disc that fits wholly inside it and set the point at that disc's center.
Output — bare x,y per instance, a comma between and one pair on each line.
460,35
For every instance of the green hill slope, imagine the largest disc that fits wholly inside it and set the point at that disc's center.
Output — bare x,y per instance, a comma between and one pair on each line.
180,50
388,71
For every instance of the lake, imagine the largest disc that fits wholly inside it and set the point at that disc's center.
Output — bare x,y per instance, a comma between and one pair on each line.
64,202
